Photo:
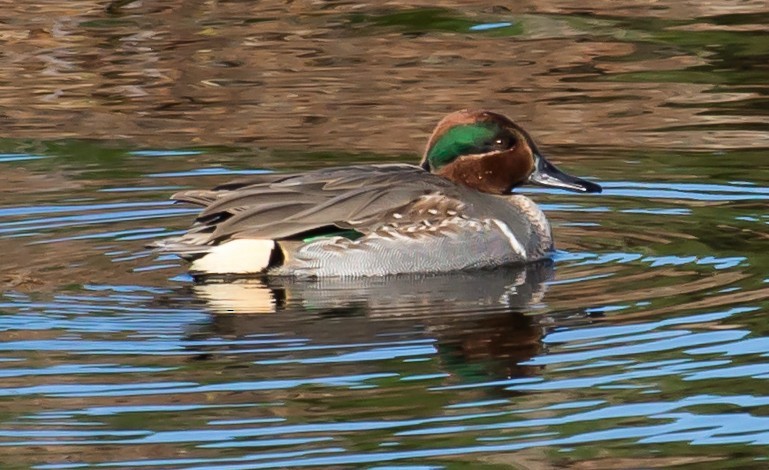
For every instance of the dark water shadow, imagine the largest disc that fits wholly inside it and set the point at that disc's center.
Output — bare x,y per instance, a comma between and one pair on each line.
470,317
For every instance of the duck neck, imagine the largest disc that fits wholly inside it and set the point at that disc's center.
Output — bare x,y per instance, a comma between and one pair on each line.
494,174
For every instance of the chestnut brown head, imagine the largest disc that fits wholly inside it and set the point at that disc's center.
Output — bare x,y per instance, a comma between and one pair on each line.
489,152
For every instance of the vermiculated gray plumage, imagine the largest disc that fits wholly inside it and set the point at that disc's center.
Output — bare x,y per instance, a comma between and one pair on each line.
410,221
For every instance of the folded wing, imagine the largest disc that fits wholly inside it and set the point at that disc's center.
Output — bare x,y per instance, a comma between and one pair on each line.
290,206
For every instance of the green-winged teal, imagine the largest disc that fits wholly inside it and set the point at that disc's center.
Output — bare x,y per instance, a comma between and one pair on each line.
454,211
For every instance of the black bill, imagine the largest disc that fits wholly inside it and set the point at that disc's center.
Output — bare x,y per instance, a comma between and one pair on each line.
546,174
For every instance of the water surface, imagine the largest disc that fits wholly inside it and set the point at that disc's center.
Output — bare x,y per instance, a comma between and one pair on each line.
644,344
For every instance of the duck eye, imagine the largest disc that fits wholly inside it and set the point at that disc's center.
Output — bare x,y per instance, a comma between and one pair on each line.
502,143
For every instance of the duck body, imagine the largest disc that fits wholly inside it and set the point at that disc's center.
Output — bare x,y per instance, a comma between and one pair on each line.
453,212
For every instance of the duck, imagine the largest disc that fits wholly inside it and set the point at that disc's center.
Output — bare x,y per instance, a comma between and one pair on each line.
454,211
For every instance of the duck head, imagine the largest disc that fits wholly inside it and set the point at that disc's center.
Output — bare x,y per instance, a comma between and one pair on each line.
489,152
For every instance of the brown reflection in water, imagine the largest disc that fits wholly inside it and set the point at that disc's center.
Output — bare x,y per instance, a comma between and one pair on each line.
297,75
658,284
601,291
493,344
609,463
499,343
478,318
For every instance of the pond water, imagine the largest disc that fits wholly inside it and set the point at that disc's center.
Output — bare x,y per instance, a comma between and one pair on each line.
643,345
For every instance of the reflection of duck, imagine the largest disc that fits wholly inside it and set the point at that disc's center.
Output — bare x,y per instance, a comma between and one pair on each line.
511,288
452,212
480,321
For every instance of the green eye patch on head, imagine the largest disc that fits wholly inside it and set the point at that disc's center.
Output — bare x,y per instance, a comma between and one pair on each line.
467,139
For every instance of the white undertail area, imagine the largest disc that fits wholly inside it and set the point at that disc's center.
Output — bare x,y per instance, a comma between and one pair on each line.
235,257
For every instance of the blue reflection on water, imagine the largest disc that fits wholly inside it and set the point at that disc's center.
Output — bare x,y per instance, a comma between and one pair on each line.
488,26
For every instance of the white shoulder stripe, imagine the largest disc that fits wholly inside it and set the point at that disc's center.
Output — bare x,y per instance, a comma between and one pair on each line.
514,243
